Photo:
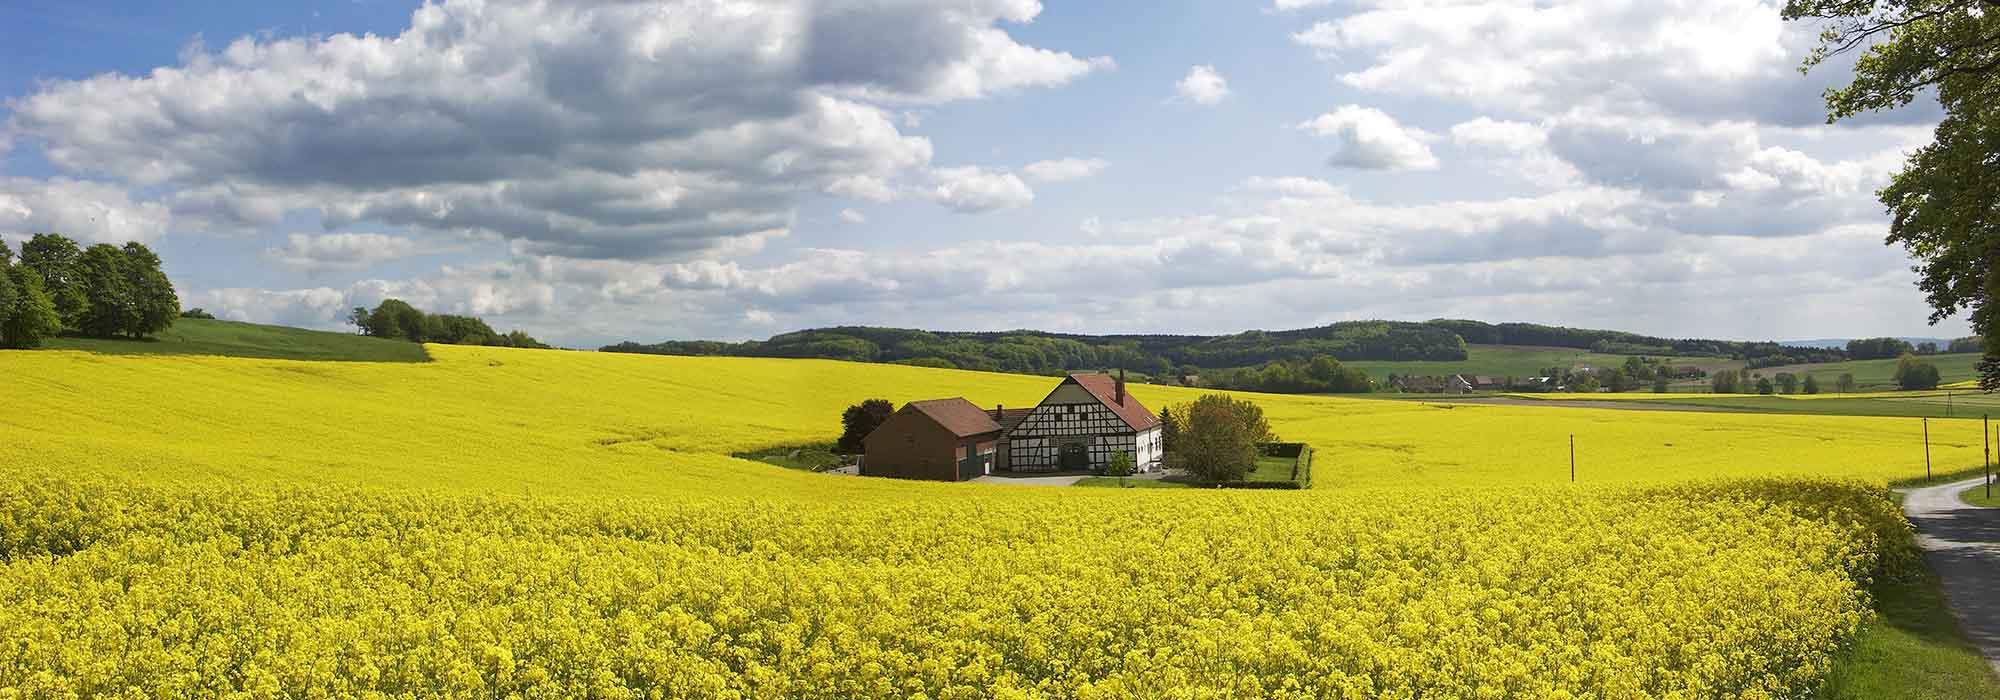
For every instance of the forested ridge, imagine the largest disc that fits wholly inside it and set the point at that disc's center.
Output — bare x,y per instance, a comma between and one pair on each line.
1041,352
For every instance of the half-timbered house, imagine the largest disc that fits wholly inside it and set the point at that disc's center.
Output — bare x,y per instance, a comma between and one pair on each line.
1080,425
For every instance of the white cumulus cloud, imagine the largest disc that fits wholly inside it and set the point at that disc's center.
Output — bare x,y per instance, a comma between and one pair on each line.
615,129
1203,85
1367,138
974,190
315,252
89,212
1064,170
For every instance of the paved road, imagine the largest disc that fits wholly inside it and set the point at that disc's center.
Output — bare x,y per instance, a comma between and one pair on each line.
1962,544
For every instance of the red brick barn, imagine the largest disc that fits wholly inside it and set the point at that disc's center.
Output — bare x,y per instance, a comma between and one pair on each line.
937,440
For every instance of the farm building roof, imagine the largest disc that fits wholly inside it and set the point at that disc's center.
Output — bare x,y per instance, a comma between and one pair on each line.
1105,388
1010,417
958,415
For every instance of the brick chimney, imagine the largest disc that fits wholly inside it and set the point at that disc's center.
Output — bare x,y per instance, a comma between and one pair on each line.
999,409
1121,387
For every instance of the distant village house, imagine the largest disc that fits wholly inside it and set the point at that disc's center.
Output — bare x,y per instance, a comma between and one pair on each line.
1468,383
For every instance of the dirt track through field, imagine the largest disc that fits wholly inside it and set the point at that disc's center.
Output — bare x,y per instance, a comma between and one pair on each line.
1962,544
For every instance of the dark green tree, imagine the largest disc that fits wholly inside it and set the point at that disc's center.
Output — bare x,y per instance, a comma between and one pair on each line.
1726,381
859,420
1219,440
1121,466
393,318
1812,384
10,294
520,339
1764,385
1913,373
1170,428
154,303
56,259
1942,204
459,330
30,315
1845,384
108,287
1788,383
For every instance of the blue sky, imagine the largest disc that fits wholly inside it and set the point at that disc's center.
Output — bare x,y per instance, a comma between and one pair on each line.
695,168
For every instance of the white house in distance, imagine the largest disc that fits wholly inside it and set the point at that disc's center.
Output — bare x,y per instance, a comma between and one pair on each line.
1079,426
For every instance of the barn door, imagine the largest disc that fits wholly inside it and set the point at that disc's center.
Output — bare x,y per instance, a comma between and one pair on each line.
974,464
1075,456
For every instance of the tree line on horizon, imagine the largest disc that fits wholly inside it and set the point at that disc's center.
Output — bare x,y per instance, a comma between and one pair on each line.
102,291
1254,360
395,319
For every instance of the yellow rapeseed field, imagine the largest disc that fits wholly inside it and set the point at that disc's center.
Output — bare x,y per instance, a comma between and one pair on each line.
555,524
543,422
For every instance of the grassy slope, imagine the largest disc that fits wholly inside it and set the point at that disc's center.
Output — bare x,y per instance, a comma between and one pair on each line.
1880,374
1505,361
1926,404
1913,649
1977,496
1528,361
1959,405
194,336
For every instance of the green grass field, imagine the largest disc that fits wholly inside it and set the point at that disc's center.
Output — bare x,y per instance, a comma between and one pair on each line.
194,336
1967,404
1528,361
1977,496
1510,361
1914,649
1876,375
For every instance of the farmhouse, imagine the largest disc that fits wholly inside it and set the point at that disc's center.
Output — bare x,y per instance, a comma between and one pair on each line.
1468,383
1079,426
938,440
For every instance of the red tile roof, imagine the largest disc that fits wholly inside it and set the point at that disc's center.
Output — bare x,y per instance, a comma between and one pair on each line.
958,415
1105,388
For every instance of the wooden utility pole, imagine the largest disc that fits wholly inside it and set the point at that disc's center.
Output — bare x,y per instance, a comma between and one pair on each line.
1986,433
1572,458
1927,449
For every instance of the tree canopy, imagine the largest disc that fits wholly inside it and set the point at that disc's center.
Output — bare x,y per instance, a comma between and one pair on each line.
1944,205
396,319
104,290
859,420
1219,435
55,259
1913,373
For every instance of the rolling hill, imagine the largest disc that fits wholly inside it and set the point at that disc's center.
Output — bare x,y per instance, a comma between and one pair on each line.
195,336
